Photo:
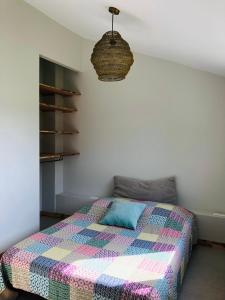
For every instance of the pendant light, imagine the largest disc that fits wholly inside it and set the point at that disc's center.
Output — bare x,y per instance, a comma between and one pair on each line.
111,55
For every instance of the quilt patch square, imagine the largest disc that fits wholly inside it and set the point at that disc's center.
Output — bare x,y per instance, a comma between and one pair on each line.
105,236
148,236
140,291
106,254
81,294
68,245
161,212
96,265
9,254
58,290
97,227
157,220
165,206
42,266
25,243
136,251
87,250
23,259
50,230
38,236
62,272
8,270
82,223
163,247
123,266
87,276
115,287
80,239
169,232
39,285
20,277
173,224
143,244
73,257
129,233
51,241
56,253
123,240
97,243
153,266
89,232
37,248
67,230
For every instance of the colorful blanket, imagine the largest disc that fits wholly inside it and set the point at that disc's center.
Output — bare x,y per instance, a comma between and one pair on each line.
80,259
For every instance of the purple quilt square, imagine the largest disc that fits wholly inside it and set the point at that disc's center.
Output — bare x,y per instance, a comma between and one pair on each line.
137,290
60,225
9,255
163,247
62,272
51,241
104,253
105,236
176,217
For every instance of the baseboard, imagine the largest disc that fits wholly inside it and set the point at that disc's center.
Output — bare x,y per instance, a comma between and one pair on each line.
211,226
211,244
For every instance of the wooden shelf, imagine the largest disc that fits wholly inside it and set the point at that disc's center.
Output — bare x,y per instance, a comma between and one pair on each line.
69,153
51,107
63,132
49,90
48,131
50,156
56,156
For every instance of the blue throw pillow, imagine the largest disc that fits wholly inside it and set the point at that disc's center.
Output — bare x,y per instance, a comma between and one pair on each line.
123,214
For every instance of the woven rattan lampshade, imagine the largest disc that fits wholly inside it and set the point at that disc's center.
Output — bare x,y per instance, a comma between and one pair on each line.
112,57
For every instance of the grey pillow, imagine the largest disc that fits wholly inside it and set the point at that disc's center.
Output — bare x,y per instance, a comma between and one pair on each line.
160,190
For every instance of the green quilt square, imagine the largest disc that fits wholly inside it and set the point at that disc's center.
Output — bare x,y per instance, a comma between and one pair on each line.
84,209
173,225
50,230
97,243
8,271
58,290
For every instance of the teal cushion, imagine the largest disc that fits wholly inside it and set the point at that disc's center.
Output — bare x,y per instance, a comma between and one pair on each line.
123,214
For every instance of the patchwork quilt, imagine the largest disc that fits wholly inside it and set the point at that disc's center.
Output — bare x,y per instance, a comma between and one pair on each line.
79,259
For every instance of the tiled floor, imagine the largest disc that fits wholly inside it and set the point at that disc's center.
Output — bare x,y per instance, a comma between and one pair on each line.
204,279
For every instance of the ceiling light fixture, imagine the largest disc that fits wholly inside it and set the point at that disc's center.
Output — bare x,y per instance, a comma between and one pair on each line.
111,55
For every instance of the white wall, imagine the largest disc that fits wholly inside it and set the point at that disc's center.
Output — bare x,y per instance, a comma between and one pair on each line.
164,119
19,176
25,34
28,26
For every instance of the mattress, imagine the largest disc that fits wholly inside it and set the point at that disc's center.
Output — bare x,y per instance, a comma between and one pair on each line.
81,259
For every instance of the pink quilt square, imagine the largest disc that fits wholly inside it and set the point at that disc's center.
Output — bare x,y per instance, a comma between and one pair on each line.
87,250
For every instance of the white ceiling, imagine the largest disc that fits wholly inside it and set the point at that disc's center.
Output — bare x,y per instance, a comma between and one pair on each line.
190,32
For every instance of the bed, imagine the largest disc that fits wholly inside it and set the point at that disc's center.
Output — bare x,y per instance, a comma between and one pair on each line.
80,259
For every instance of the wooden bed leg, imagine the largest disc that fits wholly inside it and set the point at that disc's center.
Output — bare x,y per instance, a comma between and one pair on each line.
8,295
